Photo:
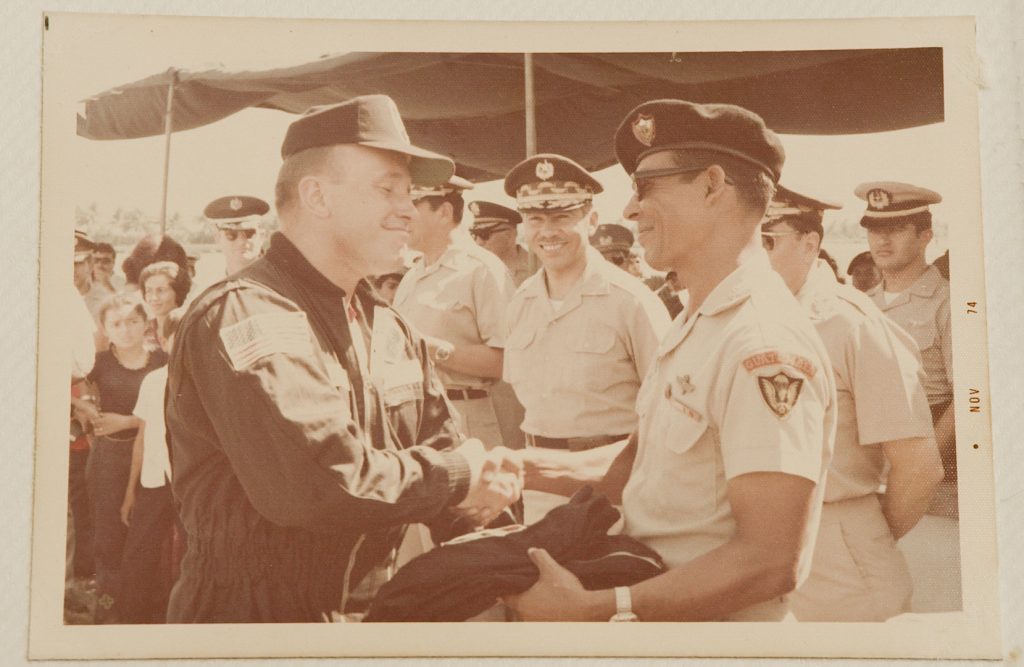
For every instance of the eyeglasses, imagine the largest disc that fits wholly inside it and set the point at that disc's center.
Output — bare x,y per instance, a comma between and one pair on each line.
484,234
642,178
768,238
232,234
105,261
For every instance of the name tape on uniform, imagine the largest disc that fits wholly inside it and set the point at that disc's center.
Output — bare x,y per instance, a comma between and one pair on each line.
775,358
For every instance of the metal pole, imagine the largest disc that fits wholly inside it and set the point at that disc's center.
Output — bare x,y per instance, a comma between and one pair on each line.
168,117
530,105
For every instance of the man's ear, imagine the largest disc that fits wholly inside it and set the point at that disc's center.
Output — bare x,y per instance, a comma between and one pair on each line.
927,234
714,182
592,222
312,196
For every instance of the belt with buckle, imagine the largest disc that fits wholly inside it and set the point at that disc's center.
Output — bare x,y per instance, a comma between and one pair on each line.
466,394
572,444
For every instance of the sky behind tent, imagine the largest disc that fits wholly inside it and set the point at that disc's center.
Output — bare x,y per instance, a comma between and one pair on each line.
239,155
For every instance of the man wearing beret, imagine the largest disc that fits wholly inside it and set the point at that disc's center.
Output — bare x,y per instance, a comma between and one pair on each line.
582,333
495,228
306,424
724,476
858,573
239,237
456,295
916,297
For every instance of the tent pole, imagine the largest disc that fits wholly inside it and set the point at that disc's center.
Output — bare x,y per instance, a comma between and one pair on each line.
168,117
530,105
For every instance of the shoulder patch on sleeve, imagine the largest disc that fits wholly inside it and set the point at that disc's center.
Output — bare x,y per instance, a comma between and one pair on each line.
262,335
776,358
780,392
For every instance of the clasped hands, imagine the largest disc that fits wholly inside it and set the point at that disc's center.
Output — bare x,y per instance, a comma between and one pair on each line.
496,481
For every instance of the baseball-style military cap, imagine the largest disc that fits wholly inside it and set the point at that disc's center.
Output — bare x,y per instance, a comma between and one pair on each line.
488,215
236,212
453,184
703,131
84,246
549,182
804,213
369,120
609,237
894,203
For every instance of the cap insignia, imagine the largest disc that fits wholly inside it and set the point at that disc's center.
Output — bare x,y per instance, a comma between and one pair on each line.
235,204
879,198
604,240
643,129
474,208
545,170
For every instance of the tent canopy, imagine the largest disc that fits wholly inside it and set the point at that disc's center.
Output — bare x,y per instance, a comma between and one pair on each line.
470,106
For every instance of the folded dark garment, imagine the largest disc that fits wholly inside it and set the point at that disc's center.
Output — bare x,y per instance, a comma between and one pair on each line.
463,578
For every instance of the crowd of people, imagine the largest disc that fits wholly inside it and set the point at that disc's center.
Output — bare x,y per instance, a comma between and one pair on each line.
384,382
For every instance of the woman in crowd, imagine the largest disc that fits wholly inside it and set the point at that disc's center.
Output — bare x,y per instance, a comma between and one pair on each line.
164,286
117,374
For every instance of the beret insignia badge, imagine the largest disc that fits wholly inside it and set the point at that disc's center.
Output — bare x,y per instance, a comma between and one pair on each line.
235,204
780,392
545,170
879,198
643,129
604,240
474,208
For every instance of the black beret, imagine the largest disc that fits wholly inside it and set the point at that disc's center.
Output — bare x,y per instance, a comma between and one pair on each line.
724,129
612,237
84,245
236,211
549,182
488,214
370,120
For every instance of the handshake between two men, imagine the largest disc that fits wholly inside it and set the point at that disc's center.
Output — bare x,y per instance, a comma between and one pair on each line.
496,481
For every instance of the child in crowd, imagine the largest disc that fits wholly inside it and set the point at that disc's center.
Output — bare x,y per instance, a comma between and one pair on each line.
117,374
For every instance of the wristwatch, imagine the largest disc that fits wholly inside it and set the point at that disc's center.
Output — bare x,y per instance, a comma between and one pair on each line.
623,606
443,352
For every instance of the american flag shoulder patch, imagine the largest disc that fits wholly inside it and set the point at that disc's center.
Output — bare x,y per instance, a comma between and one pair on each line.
250,340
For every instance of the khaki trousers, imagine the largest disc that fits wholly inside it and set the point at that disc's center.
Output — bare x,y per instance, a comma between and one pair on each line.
858,573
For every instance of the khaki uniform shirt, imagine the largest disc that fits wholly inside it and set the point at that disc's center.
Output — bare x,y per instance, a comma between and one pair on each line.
742,385
577,370
460,298
879,382
923,311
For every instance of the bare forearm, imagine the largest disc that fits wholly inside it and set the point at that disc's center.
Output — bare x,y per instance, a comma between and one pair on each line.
914,474
563,472
477,360
945,431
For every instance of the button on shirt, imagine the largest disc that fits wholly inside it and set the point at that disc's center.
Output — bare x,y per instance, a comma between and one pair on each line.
923,311
742,385
460,298
879,382
577,368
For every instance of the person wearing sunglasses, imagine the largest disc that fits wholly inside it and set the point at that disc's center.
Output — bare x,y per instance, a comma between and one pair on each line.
725,472
614,243
858,573
455,295
239,237
582,333
495,228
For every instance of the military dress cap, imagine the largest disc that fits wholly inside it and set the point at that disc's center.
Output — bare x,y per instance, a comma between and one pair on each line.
236,212
453,184
704,129
612,237
84,245
369,120
801,211
893,203
488,215
549,182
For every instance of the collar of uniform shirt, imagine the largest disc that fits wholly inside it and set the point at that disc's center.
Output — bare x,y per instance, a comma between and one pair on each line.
737,285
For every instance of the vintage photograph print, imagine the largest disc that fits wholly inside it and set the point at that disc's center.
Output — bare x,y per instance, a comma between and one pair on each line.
674,326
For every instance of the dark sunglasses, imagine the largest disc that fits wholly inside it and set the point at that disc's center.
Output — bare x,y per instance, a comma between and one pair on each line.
484,234
768,238
232,234
643,178
616,258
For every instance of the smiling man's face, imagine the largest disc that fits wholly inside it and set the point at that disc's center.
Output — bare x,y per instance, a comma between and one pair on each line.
559,238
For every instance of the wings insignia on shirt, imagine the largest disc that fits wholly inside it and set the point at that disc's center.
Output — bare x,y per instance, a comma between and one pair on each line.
780,392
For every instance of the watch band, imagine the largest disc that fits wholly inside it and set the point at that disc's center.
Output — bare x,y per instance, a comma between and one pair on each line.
623,606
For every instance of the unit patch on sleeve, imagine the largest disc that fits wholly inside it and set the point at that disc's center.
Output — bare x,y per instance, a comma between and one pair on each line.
780,392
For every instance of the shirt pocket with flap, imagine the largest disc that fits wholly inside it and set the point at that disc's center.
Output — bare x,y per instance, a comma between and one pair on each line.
593,359
521,358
